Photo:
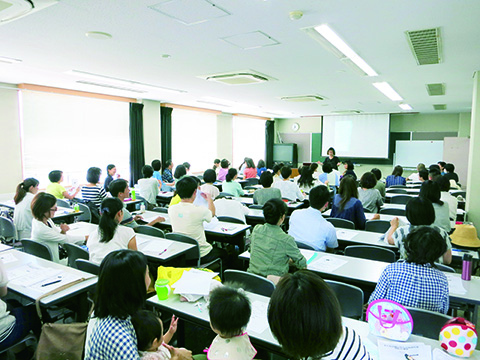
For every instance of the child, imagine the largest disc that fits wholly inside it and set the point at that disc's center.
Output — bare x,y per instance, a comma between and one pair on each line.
152,343
230,311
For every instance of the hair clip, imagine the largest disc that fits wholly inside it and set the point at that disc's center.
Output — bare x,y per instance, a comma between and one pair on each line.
105,210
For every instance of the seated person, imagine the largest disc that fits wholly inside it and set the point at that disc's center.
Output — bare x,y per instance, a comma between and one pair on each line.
448,198
111,171
277,176
119,189
22,214
380,185
180,171
261,167
310,227
450,172
329,177
415,177
396,178
187,166
110,236
250,169
434,173
157,167
148,187
93,192
209,176
423,175
307,181
167,176
314,169
188,219
419,212
348,165
288,188
416,282
216,165
222,172
261,196
441,165
231,208
431,191
230,186
346,204
272,251
57,190
368,195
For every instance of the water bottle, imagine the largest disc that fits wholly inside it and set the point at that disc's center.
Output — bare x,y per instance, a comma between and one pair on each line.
467,267
76,208
134,197
142,208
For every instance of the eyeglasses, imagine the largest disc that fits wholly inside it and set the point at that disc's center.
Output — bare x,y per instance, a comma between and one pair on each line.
54,209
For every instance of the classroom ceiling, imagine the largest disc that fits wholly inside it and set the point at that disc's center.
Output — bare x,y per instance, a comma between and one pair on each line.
149,45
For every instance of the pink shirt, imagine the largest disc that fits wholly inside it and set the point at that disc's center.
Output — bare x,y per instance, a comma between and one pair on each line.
250,173
221,174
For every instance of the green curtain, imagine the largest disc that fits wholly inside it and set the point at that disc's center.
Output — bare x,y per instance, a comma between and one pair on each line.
137,148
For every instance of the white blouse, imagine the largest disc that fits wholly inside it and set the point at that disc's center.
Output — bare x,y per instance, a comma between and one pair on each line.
23,217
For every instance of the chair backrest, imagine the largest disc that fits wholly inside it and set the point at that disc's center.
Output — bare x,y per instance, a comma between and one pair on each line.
398,187
161,210
427,323
7,229
302,245
192,254
87,266
63,203
380,226
252,181
150,230
256,206
230,219
370,253
395,191
87,214
143,200
341,223
350,298
225,194
445,268
249,188
40,250
75,252
400,199
251,282
459,192
400,212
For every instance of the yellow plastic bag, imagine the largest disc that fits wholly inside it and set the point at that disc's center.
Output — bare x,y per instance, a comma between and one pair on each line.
174,274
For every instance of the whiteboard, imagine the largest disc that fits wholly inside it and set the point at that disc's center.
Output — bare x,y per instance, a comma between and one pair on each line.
410,153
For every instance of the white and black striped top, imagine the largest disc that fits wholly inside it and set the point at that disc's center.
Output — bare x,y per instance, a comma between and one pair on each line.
94,194
349,347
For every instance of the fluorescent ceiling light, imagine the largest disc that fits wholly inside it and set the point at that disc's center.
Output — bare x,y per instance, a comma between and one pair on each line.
329,35
9,60
388,91
405,107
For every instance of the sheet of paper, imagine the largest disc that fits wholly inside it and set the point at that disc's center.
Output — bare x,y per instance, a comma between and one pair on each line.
403,351
455,285
439,354
211,225
155,247
346,234
28,275
258,320
195,282
327,263
8,257
46,285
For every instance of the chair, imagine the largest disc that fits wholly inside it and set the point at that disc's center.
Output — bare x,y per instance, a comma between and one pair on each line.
63,203
87,266
7,229
87,214
253,283
400,199
445,268
251,181
370,253
35,248
398,212
396,191
230,219
341,223
162,210
302,245
350,298
427,323
459,192
256,206
398,187
75,252
29,338
193,254
150,230
225,194
379,226
142,200
249,188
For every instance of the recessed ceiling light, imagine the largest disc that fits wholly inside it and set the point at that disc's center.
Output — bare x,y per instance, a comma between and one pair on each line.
98,35
405,107
387,90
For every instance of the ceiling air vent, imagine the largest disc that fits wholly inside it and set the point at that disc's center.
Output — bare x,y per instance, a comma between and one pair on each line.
14,9
425,45
436,89
243,77
440,107
303,98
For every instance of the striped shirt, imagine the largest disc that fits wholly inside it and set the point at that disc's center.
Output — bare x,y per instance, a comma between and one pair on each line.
349,347
395,180
94,194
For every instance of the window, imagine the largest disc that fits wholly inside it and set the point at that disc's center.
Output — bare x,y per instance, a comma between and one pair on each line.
194,139
248,139
73,133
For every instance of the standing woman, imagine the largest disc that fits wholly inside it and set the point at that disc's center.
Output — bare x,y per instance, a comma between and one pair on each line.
44,230
230,186
93,191
22,214
331,159
396,178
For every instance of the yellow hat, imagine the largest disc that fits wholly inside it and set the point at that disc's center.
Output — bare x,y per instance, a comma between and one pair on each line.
465,235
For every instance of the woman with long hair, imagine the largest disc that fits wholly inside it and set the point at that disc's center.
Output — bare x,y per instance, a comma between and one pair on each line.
22,214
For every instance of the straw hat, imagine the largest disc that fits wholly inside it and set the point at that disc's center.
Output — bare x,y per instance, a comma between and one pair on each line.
465,235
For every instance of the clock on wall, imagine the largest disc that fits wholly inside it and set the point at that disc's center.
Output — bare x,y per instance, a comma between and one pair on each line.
295,126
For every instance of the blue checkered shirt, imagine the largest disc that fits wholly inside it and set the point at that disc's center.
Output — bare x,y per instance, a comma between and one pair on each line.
112,338
409,284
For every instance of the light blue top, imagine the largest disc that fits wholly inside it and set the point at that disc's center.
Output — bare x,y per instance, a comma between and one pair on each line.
310,227
233,188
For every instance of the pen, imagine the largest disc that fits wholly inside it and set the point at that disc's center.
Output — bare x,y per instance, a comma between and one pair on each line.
51,283
164,251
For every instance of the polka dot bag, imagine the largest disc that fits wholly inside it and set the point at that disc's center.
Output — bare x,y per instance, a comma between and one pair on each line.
458,337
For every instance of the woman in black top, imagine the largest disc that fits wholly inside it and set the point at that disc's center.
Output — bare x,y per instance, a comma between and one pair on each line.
332,159
349,169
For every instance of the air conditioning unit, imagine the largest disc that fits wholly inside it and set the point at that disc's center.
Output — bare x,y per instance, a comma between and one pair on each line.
14,9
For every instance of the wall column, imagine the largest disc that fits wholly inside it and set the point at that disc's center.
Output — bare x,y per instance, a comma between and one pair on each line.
225,136
473,185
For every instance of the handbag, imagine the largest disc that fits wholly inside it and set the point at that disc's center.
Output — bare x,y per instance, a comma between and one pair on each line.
458,337
389,319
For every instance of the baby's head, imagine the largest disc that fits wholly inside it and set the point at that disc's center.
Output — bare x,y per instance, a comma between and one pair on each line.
149,330
229,311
